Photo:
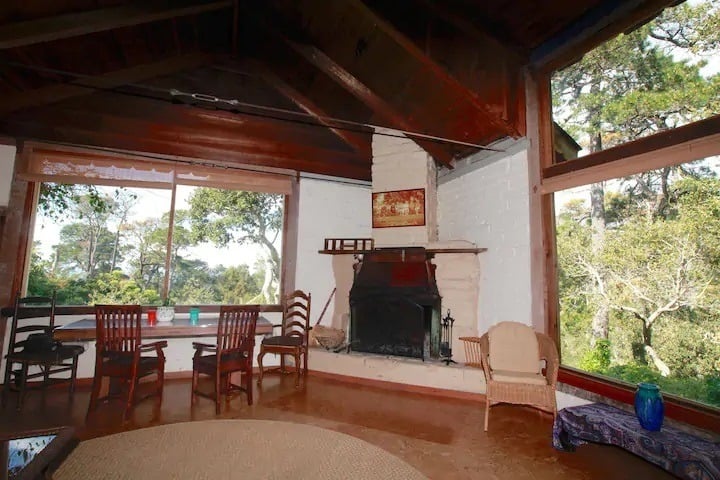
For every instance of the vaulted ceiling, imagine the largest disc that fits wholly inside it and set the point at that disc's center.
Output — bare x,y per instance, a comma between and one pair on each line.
292,84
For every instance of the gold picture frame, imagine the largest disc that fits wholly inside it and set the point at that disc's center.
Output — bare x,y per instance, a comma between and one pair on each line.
398,208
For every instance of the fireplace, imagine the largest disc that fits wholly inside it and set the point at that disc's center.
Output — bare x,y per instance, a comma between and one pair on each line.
395,304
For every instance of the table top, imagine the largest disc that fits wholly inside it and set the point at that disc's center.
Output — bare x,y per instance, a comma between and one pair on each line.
35,454
179,327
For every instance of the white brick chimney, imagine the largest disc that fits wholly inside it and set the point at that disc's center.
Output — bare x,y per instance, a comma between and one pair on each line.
400,164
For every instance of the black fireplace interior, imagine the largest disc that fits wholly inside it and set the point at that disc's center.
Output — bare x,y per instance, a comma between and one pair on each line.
395,304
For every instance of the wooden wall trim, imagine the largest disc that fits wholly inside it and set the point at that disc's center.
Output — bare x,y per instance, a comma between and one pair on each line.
533,118
540,155
683,144
402,387
14,252
676,407
291,219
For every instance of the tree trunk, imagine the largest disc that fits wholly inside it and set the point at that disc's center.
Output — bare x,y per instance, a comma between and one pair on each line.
650,351
661,201
601,318
116,245
91,255
267,288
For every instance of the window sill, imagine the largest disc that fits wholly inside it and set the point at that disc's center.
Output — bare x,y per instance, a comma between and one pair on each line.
90,310
676,407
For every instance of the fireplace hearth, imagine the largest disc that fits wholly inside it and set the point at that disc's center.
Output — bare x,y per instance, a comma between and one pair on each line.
395,304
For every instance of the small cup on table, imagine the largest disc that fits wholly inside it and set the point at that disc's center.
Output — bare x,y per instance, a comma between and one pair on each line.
194,315
152,317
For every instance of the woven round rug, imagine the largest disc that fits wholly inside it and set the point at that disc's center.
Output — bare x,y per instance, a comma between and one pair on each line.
219,449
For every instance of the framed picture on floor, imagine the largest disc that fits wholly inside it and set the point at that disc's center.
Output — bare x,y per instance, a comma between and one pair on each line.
398,208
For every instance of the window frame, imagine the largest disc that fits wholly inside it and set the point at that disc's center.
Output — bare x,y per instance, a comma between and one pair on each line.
690,142
192,173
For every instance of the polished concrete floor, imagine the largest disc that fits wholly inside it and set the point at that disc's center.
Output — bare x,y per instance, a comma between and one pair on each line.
443,438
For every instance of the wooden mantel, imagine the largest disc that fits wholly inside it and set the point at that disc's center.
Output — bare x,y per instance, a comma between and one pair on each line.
359,246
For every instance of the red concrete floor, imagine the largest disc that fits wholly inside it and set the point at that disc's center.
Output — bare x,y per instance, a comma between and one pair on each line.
443,438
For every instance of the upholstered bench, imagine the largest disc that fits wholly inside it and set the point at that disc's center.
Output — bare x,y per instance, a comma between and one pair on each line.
681,453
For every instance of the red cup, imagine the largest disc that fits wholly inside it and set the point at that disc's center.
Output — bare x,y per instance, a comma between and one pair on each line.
152,316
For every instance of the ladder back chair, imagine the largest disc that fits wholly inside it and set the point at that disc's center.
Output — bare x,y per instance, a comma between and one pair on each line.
37,350
294,336
119,355
232,352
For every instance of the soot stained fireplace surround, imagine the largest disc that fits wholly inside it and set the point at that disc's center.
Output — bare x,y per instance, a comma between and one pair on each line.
395,304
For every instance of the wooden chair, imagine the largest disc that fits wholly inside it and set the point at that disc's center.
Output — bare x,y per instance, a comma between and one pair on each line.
37,350
119,355
294,337
233,352
520,366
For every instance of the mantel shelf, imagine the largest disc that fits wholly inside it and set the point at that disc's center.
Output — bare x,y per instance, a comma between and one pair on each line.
428,250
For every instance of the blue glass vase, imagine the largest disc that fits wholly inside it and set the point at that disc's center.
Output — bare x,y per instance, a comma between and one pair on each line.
649,406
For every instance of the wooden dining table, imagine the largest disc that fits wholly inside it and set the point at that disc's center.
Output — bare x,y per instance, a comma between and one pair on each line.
180,327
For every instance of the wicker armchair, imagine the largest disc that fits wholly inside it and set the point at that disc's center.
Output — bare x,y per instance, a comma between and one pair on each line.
520,366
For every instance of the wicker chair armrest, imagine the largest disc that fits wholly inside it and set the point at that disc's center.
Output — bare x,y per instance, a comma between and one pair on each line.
548,353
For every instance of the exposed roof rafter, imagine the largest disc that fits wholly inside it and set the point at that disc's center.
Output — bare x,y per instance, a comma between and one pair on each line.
75,24
87,85
358,142
381,107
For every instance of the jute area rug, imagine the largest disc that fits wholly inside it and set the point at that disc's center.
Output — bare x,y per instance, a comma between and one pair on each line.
224,449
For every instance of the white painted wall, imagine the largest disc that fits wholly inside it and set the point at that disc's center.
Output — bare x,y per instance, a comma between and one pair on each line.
329,209
489,206
7,165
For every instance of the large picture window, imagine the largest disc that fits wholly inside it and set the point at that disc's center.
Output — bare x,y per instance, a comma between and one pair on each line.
639,278
188,236
637,260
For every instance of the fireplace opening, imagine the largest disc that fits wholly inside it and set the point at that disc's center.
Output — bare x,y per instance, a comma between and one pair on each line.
395,304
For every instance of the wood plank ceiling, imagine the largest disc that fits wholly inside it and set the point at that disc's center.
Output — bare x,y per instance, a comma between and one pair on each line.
119,74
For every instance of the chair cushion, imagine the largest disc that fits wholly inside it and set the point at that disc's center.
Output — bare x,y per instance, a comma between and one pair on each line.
226,357
284,340
514,347
126,359
63,352
518,377
69,351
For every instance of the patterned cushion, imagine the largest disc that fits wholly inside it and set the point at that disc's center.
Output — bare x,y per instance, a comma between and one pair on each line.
514,347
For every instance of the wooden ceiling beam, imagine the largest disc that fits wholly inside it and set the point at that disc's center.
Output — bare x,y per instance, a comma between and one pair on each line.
30,32
246,136
357,141
595,26
321,162
87,85
381,107
162,111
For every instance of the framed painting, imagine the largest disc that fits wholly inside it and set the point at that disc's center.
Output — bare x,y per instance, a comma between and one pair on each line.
399,208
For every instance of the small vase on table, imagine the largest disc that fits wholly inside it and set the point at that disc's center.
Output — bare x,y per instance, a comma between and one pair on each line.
649,406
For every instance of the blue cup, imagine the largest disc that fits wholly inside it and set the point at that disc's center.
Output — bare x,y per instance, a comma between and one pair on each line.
194,315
